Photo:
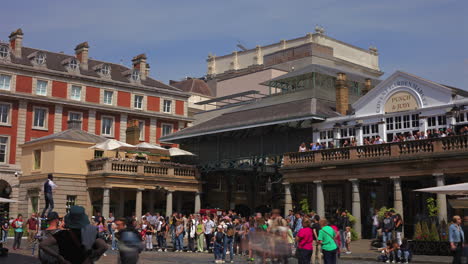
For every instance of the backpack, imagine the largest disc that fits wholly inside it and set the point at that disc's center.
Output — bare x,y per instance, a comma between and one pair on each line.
230,230
13,224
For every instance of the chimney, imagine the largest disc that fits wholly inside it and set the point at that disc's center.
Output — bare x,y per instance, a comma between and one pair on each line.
132,133
147,69
367,86
74,124
139,63
81,52
16,42
341,94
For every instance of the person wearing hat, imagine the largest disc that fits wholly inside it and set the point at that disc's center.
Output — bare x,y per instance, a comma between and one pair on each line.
53,221
78,243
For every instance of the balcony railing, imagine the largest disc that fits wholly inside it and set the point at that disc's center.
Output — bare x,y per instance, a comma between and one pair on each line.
397,150
140,168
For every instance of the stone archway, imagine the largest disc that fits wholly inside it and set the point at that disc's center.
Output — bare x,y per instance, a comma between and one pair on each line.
5,192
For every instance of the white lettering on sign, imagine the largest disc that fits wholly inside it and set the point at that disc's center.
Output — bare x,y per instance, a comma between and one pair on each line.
387,90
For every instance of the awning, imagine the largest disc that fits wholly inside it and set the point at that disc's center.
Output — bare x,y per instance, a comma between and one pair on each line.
179,152
112,144
454,189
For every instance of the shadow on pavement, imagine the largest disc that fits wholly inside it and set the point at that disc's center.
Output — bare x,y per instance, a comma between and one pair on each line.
15,258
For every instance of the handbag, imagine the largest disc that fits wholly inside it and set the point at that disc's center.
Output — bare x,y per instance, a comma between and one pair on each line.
337,246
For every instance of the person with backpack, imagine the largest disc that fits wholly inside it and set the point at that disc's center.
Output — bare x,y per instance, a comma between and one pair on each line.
17,225
218,240
326,238
229,240
78,243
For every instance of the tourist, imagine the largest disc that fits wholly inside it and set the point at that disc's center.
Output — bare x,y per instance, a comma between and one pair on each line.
53,220
200,231
348,240
387,252
387,227
326,239
218,240
229,240
17,225
128,241
375,223
302,147
304,240
297,224
32,225
337,237
353,142
191,233
78,243
378,140
162,231
110,223
404,252
456,238
149,231
209,229
343,222
102,228
49,186
4,229
398,228
179,236
317,248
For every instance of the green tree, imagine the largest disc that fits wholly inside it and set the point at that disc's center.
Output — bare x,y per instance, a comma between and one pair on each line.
304,203
432,206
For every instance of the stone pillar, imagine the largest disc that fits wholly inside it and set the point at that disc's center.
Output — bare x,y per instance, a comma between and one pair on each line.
288,206
58,118
359,135
423,124
382,130
92,121
320,199
152,139
441,198
356,207
123,128
169,203
197,202
179,202
397,195
138,205
122,203
105,203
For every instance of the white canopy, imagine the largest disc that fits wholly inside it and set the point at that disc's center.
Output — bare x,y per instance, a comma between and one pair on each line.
179,152
146,145
459,203
454,189
112,144
5,200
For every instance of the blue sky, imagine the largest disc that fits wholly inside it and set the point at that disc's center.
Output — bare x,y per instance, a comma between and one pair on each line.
428,38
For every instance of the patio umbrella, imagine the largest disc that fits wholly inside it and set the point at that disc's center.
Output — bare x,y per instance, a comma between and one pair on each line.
453,189
179,152
112,144
459,203
5,200
149,146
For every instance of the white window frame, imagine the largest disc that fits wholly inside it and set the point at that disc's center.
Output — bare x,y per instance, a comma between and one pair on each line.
74,64
164,106
46,116
373,130
4,50
72,96
142,130
3,85
46,87
7,149
112,132
326,136
40,58
70,113
162,128
135,96
8,122
104,97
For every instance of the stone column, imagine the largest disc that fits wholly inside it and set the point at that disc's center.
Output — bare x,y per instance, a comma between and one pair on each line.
138,205
123,127
169,203
356,207
320,199
423,124
398,197
122,203
105,202
197,202
58,118
152,130
382,130
359,135
288,206
441,198
92,121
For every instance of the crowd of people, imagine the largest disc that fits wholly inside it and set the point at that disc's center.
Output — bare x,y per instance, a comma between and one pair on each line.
401,137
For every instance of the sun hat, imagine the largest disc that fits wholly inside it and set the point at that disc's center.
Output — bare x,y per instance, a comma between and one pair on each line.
76,218
52,216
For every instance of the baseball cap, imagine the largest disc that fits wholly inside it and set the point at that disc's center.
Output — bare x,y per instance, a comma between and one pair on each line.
52,216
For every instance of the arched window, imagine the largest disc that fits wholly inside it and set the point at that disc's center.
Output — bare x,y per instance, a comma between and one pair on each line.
73,64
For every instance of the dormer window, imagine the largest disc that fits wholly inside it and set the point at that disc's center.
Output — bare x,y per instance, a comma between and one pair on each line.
3,52
105,69
136,75
40,58
73,65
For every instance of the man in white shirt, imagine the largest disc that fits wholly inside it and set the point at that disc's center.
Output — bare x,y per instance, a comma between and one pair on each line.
378,140
49,186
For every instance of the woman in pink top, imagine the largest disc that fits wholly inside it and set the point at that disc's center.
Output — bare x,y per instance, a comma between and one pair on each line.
304,240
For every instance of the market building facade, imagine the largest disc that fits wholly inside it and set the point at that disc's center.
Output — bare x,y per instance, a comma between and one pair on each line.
41,90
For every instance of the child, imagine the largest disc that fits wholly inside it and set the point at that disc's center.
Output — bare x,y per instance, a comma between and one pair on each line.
218,240
404,253
348,239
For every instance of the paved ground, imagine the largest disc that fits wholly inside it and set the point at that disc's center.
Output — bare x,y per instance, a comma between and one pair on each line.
361,254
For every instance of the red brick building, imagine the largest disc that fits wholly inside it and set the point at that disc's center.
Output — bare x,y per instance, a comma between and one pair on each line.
41,90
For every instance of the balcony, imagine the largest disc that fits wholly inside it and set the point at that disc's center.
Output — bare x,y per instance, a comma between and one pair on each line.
399,151
141,169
